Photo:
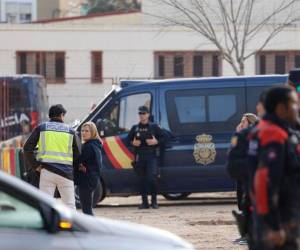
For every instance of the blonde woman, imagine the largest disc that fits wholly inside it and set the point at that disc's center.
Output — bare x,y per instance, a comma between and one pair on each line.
87,176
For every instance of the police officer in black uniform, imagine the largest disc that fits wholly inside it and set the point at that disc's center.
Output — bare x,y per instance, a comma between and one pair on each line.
146,138
274,148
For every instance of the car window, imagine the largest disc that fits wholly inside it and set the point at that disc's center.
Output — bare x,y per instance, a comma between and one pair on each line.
121,116
15,213
204,110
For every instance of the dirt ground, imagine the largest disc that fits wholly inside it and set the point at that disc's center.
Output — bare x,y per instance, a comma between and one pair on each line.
204,220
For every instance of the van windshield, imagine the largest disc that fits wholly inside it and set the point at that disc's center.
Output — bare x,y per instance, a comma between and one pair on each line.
18,96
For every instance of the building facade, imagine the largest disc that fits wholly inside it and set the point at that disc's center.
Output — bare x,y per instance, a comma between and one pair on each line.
60,8
83,57
18,11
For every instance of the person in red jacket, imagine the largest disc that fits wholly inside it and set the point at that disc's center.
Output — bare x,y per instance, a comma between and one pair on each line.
270,144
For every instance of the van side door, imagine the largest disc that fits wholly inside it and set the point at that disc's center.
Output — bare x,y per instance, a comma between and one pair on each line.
202,121
114,122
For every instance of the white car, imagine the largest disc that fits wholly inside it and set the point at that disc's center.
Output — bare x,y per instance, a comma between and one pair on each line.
30,219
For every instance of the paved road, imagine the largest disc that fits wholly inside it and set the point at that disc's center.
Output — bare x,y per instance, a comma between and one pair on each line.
203,219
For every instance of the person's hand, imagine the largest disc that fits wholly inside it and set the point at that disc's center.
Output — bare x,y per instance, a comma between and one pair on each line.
39,168
151,142
82,168
276,238
238,127
136,142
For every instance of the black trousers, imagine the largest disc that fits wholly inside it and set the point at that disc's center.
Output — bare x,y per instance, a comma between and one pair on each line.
147,170
86,195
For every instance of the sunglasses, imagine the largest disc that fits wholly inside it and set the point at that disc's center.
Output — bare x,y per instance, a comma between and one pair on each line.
142,113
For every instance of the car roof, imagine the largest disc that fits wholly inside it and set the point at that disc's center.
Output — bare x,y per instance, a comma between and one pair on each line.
205,81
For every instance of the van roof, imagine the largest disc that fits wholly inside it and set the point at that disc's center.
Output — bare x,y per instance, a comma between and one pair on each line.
19,76
269,79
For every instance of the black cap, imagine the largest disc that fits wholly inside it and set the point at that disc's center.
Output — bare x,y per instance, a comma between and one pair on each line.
57,110
144,109
294,77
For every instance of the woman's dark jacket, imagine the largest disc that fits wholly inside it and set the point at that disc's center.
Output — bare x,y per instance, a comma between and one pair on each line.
91,158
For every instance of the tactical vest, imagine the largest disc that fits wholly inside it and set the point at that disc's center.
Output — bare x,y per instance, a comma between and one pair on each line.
55,143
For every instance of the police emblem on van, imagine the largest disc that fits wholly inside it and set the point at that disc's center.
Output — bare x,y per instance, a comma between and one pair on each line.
204,151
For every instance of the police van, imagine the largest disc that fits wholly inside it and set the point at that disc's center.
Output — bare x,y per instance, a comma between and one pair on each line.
23,99
198,117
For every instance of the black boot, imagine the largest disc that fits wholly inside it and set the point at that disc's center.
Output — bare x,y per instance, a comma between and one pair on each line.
145,203
154,202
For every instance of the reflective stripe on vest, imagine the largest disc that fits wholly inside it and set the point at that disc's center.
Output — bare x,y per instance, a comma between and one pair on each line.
55,144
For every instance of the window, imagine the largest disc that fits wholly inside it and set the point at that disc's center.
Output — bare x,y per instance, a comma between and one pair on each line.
198,111
49,64
297,61
178,66
198,65
15,213
120,117
161,66
96,67
60,66
128,109
190,108
170,64
25,18
279,64
23,67
262,65
215,66
228,104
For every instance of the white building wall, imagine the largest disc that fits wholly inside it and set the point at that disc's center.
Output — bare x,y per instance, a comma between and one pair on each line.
127,52
128,64
7,62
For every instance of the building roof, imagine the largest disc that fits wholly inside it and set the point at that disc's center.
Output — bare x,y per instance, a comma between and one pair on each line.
91,16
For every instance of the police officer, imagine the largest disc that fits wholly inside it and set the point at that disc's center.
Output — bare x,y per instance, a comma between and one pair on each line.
274,146
146,138
56,151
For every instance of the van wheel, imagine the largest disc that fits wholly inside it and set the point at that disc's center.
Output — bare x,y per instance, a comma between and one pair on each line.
176,196
99,195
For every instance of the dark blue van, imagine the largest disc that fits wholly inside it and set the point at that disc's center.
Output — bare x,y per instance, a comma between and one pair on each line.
22,98
199,117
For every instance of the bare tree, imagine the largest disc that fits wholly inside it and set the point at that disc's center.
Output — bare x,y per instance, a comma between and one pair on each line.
231,24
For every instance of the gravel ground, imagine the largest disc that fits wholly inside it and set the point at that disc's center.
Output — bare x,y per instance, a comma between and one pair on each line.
205,220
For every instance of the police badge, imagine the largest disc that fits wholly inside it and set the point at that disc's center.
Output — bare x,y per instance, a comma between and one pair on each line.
204,151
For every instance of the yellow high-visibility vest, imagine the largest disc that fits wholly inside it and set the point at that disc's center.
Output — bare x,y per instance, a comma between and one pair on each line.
55,143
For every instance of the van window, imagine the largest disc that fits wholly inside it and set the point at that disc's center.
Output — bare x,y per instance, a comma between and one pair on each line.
228,104
190,108
210,110
120,117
